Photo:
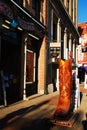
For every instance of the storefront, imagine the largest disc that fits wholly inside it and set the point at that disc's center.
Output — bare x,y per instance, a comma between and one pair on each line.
10,57
20,44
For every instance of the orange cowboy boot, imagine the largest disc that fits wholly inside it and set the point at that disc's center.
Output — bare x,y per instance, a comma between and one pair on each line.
65,88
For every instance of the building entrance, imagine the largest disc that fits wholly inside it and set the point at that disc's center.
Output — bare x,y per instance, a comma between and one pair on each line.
10,65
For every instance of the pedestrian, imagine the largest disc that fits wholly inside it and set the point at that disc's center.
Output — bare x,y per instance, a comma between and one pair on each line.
83,73
84,123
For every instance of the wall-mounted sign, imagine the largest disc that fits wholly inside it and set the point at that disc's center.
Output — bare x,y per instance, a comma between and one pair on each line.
55,49
82,50
82,55
55,44
14,23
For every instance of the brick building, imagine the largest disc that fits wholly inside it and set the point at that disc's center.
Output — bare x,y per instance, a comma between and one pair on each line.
34,34
63,36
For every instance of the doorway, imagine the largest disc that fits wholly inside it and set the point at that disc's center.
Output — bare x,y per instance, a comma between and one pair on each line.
10,61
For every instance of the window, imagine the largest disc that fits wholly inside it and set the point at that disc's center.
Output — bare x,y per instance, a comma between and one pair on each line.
33,4
29,66
36,7
55,20
54,32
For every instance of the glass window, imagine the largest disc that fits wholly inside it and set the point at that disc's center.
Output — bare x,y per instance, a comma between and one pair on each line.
36,4
30,67
33,4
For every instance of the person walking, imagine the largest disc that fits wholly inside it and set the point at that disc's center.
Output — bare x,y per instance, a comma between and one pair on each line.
83,73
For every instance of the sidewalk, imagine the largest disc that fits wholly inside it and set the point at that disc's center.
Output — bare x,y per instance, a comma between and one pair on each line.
37,108
52,98
82,89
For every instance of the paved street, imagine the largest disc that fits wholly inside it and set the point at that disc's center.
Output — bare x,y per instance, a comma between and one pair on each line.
34,114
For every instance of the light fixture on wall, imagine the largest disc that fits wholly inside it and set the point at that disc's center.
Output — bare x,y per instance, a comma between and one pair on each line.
14,23
7,21
19,28
5,26
33,36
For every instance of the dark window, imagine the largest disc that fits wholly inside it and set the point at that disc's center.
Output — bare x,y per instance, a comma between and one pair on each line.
36,6
54,32
30,67
33,4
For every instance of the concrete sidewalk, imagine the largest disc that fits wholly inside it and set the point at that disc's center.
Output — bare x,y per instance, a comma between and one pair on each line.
51,98
37,108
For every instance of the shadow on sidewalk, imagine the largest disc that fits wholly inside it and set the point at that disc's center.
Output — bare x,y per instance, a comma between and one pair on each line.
14,116
39,124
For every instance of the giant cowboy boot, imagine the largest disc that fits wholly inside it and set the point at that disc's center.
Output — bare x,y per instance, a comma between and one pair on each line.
65,88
